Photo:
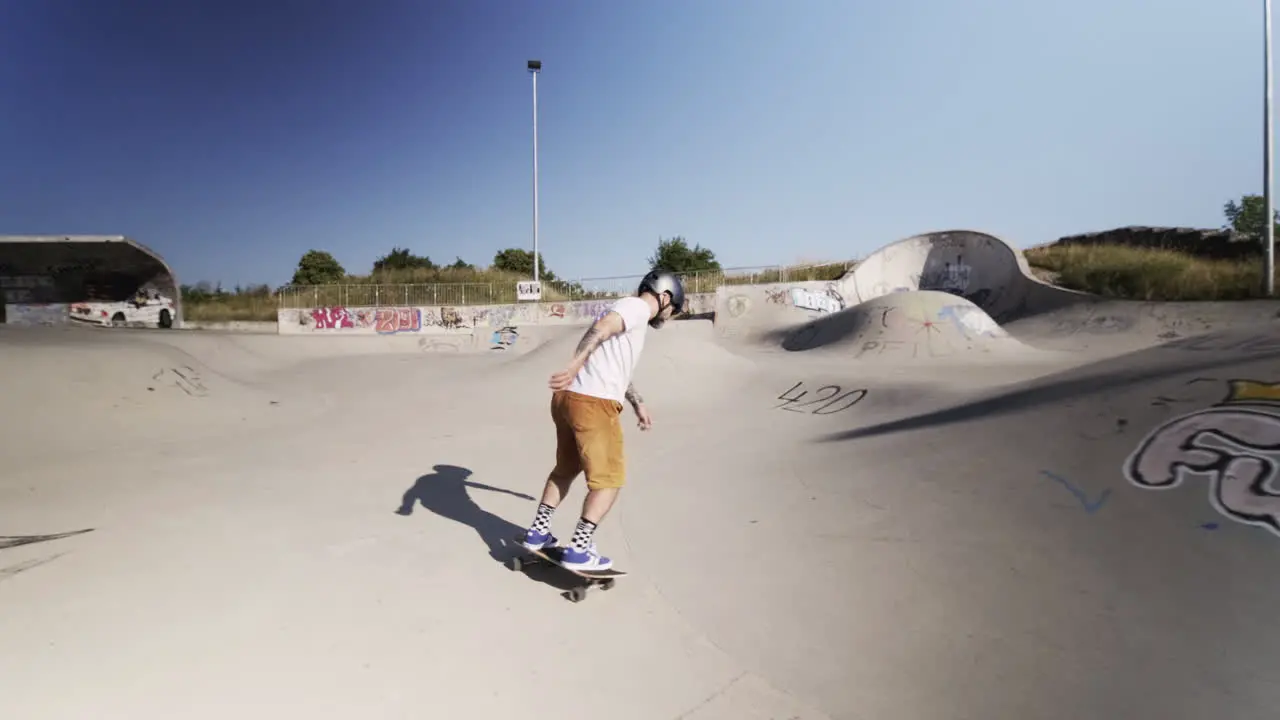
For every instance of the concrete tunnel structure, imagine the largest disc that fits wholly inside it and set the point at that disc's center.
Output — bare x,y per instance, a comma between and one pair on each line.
42,276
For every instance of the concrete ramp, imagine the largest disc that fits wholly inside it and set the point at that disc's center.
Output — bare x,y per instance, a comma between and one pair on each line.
806,536
981,268
914,327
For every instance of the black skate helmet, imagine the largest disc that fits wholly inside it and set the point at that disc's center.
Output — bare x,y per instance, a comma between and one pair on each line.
657,282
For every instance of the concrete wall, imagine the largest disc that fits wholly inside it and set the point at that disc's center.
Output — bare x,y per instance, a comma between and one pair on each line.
752,312
453,319
35,314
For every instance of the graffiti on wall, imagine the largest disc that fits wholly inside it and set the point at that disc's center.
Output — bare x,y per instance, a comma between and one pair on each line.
331,318
827,302
952,277
395,320
42,314
504,338
502,316
739,305
451,318
389,321
385,320
1233,446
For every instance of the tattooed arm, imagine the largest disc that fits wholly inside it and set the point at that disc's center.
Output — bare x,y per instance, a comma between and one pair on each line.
634,397
602,329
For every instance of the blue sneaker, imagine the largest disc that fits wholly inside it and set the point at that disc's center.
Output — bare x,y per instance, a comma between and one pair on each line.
534,540
575,559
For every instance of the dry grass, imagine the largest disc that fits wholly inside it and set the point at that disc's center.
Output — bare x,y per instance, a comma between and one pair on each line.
232,308
1147,274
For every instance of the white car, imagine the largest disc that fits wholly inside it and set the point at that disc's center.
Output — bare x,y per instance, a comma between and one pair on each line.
146,309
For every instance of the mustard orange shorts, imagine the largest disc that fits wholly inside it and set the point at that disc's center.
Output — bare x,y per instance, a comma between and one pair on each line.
588,439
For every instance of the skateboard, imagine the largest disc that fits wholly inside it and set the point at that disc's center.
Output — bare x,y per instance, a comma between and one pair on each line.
603,579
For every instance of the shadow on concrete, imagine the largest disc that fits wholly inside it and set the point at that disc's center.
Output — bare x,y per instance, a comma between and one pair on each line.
445,492
1113,375
8,541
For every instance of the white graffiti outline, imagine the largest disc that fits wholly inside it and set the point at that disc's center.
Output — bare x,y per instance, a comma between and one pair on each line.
1234,446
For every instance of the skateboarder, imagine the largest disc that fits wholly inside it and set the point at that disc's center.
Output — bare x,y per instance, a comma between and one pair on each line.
586,404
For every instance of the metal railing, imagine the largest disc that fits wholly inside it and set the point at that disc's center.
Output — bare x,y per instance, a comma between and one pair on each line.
504,293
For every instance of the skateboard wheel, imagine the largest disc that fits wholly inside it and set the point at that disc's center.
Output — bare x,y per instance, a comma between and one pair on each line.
515,564
578,594
607,584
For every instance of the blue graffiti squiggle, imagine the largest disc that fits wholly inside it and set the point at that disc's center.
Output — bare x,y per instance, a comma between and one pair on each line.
1089,507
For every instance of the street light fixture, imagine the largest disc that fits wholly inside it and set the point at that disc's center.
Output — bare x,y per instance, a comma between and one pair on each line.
535,66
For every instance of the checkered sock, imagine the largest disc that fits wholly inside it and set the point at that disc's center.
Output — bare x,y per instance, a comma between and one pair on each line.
542,519
582,534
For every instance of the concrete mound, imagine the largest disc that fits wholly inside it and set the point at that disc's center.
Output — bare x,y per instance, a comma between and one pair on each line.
919,326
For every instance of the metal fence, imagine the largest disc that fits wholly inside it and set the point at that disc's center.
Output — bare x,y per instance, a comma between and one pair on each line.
503,293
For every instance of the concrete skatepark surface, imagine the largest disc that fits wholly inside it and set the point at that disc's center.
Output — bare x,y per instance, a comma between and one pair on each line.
1067,514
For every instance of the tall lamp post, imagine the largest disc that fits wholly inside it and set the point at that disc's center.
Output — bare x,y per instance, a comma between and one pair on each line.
1269,236
535,66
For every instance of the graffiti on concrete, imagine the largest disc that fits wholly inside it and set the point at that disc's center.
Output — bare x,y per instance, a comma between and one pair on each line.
504,338
775,296
555,310
739,305
331,318
943,241
33,315
832,397
822,302
451,318
952,277
591,309
501,316
439,344
1093,323
1090,506
1233,446
389,321
969,321
699,304
184,377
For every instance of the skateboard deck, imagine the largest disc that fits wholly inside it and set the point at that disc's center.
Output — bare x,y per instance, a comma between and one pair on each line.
603,579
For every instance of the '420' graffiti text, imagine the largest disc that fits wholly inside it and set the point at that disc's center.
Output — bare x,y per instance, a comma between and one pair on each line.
831,397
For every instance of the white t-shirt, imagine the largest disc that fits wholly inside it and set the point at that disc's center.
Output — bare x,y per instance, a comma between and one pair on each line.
607,372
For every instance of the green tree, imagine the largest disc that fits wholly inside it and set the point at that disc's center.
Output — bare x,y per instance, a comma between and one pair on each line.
460,265
675,255
318,267
520,261
401,259
1248,217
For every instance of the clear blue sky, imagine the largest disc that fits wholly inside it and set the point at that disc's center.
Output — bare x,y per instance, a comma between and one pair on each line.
232,136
